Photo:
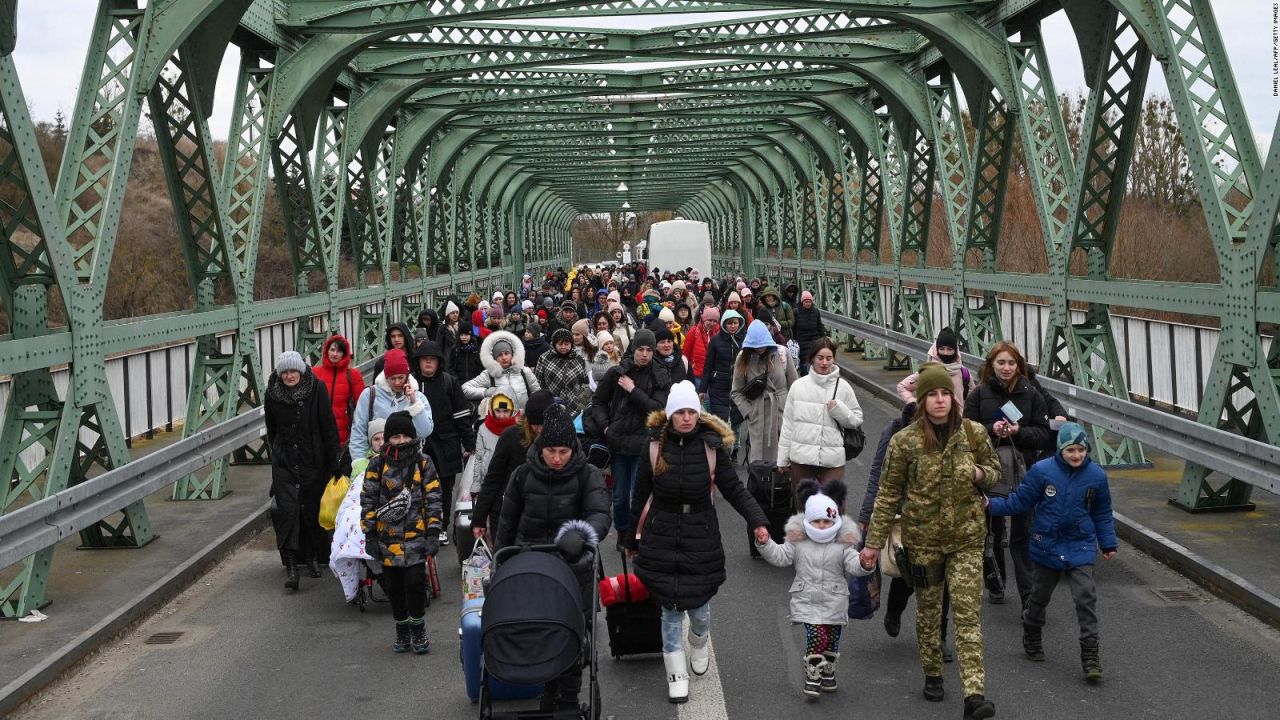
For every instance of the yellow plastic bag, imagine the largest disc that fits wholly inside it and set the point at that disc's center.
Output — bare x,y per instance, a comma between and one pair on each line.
334,492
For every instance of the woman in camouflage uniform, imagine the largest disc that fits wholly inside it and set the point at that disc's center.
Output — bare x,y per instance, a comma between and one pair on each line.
940,463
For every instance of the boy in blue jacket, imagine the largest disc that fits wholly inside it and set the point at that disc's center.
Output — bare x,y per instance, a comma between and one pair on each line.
1073,520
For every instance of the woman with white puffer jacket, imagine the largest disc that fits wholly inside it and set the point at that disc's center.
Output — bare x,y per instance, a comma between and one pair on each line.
819,407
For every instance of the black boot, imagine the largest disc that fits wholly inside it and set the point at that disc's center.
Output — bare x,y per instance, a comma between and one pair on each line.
313,567
403,635
892,624
1089,661
933,688
291,571
418,636
1032,644
977,707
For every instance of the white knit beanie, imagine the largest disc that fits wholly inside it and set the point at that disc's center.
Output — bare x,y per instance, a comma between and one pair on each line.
821,507
683,396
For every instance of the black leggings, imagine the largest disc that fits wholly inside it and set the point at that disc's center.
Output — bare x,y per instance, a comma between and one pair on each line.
446,499
407,590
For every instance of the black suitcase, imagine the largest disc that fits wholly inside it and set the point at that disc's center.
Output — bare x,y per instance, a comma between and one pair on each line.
635,628
772,490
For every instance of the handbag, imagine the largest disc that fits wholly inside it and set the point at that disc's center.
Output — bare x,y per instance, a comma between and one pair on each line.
854,439
890,562
864,595
754,388
1012,469
334,492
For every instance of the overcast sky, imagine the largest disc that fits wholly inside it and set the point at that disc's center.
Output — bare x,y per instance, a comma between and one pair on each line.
52,36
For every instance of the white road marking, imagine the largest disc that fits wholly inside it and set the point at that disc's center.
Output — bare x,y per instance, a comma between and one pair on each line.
706,694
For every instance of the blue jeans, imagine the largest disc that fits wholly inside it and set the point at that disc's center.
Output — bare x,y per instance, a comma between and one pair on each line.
673,626
624,468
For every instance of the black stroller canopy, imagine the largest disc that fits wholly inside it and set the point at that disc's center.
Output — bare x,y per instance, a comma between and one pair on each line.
533,628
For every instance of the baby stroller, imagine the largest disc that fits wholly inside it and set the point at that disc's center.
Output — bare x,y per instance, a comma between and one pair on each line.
534,628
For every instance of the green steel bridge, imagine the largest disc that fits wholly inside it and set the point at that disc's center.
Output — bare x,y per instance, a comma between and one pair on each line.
448,145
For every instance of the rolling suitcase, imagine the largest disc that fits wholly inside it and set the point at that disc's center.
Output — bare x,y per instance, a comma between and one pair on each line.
463,542
635,628
469,633
772,490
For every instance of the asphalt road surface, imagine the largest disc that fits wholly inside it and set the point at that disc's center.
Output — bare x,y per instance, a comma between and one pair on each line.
251,649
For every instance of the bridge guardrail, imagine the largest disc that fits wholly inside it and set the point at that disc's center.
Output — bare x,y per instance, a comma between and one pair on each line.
1256,463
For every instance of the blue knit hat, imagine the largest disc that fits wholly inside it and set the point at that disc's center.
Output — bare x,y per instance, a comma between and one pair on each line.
758,336
1072,434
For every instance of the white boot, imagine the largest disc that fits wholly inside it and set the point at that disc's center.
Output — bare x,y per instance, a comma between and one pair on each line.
677,676
699,653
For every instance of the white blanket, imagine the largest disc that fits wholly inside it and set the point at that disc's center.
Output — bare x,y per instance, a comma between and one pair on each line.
347,553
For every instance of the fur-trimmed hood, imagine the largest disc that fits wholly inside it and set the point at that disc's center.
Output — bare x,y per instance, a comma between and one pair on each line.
850,534
658,418
491,365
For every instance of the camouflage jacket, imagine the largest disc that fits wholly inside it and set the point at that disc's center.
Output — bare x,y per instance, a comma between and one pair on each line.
404,543
942,509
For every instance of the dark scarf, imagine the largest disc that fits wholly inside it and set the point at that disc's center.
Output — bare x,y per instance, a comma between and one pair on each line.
290,395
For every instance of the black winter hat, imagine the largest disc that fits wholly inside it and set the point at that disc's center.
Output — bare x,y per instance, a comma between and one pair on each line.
562,334
663,334
946,338
428,348
557,428
537,405
644,338
400,423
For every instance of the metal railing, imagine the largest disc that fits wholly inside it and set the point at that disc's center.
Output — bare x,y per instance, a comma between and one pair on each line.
1235,456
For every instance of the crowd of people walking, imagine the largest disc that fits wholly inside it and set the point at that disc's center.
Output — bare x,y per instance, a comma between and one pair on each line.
625,399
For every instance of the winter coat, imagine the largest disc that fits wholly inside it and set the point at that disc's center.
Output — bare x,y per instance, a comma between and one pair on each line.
600,368
408,344
516,382
565,376
811,434
386,402
1034,435
401,544
808,328
539,500
676,365
464,360
943,508
622,414
764,414
1072,516
717,374
301,432
696,344
473,476
535,349
681,559
782,312
451,417
508,454
820,592
343,383
961,379
877,463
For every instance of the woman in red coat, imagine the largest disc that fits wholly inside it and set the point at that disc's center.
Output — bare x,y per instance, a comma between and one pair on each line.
343,382
698,340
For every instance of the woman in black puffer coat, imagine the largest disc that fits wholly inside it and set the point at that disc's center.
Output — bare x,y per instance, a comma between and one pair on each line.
680,557
717,368
1003,379
808,328
556,496
303,437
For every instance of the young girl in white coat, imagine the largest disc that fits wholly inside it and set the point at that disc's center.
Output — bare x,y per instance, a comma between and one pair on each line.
822,543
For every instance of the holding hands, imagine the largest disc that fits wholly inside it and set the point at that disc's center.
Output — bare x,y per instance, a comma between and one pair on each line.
868,557
762,535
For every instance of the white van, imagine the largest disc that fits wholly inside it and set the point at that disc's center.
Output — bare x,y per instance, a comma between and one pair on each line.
674,245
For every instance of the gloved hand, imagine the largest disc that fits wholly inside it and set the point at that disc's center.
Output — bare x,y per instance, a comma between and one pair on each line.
371,544
571,544
433,544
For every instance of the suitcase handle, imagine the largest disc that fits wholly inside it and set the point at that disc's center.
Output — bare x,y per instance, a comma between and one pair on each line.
626,578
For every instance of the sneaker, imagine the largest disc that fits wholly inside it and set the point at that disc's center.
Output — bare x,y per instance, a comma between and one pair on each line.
444,540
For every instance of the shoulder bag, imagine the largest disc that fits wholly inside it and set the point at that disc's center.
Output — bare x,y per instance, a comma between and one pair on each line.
854,438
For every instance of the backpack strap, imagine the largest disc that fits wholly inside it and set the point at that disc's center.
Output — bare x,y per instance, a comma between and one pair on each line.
644,514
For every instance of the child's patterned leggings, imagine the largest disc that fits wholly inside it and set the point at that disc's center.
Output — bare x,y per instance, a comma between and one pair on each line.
819,639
